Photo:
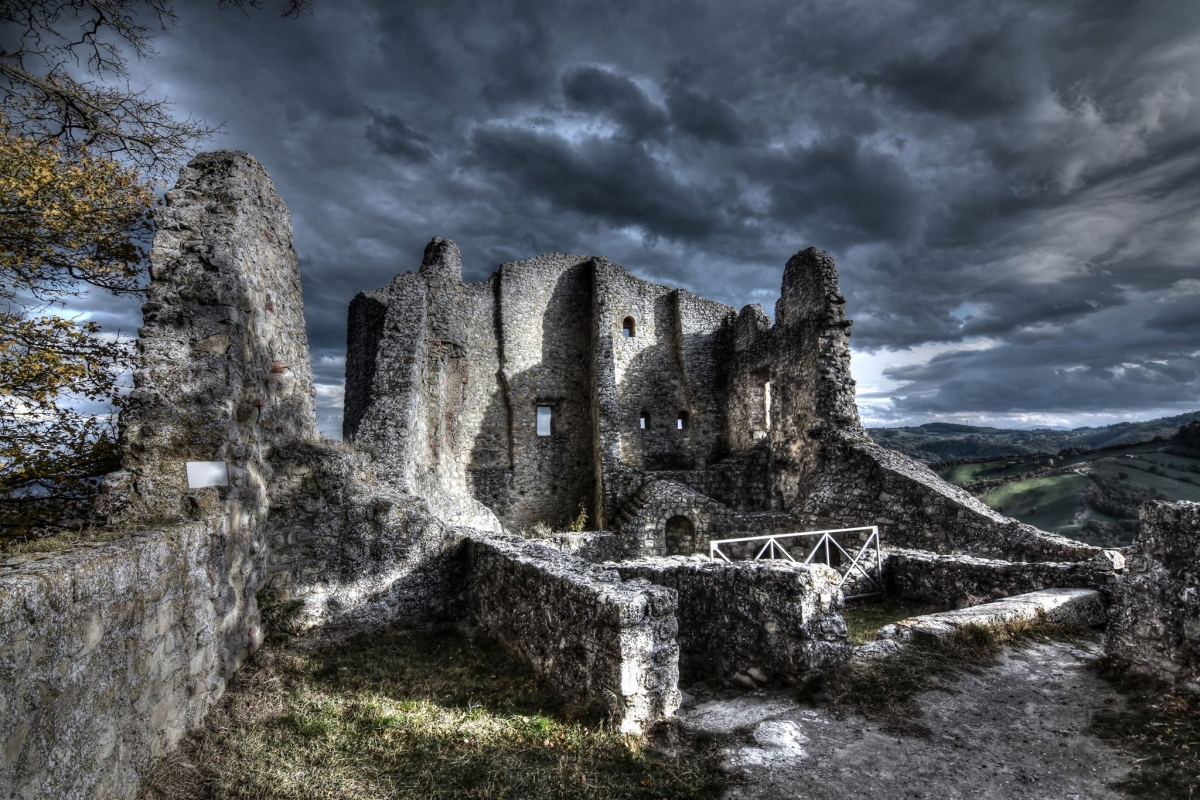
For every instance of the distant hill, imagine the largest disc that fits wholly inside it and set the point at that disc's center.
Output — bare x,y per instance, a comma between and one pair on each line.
943,441
1085,483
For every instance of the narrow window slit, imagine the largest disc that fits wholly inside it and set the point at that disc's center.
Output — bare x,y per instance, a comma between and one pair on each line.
545,420
629,328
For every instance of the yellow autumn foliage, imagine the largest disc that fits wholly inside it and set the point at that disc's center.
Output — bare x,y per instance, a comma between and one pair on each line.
67,222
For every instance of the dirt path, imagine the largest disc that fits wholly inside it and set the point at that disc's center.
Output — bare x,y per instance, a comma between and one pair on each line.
1016,730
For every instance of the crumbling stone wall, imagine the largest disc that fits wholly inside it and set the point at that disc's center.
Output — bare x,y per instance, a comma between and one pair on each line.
110,653
347,549
864,484
960,581
773,619
599,640
223,370
1154,619
812,393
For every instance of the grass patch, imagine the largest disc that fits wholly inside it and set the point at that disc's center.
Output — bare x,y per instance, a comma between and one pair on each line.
865,617
413,715
1163,730
884,690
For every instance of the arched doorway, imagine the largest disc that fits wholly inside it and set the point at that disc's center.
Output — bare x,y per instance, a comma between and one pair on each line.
680,536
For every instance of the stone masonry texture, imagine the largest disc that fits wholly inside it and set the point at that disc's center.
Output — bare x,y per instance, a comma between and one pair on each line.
776,618
1154,625
602,641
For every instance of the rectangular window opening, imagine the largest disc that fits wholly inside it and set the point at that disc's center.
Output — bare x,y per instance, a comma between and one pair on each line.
767,405
201,474
545,418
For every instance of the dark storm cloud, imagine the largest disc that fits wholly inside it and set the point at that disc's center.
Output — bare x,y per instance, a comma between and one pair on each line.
601,91
606,179
1011,186
394,136
707,117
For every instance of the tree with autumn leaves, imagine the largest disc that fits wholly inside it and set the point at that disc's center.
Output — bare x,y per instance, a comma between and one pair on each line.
78,157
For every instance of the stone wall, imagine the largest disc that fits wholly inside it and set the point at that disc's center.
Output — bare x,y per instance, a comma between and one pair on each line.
812,393
741,482
601,641
864,484
594,546
110,653
772,619
545,328
960,581
1154,619
344,548
223,370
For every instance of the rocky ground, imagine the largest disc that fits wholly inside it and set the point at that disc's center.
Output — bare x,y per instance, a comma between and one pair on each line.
1014,731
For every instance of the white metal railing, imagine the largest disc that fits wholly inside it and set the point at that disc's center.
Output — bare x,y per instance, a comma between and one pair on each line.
773,549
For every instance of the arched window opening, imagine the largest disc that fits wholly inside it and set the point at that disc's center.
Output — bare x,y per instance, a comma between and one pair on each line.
629,328
680,536
644,421
681,422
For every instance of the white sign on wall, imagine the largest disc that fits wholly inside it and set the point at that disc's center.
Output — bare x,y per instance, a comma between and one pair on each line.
207,473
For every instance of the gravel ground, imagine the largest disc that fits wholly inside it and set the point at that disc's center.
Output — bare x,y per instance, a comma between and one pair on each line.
1016,731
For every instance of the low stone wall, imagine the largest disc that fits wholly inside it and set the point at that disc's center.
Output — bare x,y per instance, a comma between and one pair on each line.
769,619
1154,621
599,640
345,550
961,581
109,653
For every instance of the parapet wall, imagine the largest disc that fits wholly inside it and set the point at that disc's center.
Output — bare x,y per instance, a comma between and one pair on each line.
775,618
600,641
959,581
110,653
1154,621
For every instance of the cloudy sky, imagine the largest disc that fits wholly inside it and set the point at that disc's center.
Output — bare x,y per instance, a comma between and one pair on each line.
1010,188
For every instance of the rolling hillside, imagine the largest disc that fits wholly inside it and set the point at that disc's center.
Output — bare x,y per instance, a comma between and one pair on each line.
942,441
1086,483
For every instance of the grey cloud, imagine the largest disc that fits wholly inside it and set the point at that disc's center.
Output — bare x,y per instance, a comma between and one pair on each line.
610,179
393,136
599,90
707,117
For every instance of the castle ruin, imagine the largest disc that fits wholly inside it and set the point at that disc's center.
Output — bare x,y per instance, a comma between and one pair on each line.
475,415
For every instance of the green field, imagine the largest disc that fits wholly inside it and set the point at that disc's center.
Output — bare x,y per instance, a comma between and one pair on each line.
1119,477
1051,503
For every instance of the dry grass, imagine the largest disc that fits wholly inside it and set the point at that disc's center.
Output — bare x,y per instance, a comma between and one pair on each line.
412,715
1162,729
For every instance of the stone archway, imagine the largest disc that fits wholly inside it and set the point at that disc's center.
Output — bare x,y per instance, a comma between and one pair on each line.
680,534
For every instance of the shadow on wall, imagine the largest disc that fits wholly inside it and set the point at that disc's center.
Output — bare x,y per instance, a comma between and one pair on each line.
549,470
